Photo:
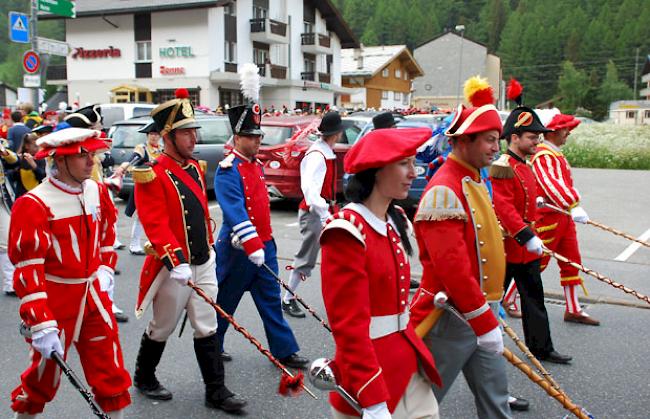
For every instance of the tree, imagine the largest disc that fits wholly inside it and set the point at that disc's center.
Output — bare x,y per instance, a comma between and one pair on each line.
613,88
573,86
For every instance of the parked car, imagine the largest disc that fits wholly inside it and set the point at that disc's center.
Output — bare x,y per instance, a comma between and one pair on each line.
364,121
211,138
433,119
282,170
114,112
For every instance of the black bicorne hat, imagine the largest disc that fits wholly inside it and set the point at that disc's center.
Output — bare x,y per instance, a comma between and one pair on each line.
174,114
43,129
246,119
150,127
522,119
331,124
85,117
383,120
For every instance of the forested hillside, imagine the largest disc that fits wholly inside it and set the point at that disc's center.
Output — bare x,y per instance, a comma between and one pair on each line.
581,50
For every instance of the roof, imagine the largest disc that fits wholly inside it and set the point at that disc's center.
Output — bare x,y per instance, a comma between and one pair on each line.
86,8
452,34
375,59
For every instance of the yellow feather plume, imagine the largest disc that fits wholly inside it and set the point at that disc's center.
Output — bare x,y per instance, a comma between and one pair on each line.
478,91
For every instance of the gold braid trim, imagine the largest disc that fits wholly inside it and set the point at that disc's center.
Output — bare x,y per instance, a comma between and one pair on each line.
440,203
501,168
143,174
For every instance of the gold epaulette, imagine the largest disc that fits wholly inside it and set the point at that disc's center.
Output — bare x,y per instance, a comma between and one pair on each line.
440,203
203,165
501,168
143,174
227,162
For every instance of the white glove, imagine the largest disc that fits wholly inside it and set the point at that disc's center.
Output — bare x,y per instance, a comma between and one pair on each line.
376,411
579,215
48,343
491,341
105,276
257,257
181,273
534,245
540,202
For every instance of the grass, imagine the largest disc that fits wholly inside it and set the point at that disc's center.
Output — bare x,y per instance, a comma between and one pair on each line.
609,146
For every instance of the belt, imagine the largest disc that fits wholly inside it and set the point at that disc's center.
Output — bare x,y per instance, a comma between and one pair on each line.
381,326
82,306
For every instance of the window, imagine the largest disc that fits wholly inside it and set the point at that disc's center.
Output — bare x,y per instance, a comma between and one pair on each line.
214,131
405,100
384,94
310,63
230,52
647,114
143,52
630,114
384,72
259,12
307,27
398,73
397,96
406,75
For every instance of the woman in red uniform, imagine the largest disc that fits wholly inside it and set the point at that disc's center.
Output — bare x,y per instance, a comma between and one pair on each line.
365,278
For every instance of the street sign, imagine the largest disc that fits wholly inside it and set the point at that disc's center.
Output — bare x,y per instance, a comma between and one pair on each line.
31,62
52,46
31,80
18,27
58,7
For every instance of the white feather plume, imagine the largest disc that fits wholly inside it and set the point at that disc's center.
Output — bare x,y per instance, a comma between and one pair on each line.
249,81
546,115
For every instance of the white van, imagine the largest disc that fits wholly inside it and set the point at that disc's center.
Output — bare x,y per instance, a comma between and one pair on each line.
113,112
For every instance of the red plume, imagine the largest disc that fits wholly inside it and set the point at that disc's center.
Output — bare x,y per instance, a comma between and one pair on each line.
513,92
182,93
291,386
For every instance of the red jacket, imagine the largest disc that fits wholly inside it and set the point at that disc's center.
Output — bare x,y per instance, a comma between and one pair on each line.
515,192
366,275
454,258
161,191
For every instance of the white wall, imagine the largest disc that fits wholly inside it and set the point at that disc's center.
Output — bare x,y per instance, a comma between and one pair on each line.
217,38
181,28
244,43
295,11
94,33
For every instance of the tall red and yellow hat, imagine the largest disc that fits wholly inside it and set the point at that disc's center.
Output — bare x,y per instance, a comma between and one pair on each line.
481,116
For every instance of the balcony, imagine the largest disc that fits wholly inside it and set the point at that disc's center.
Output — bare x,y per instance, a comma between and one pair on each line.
316,43
324,78
56,73
273,71
269,31
308,76
230,67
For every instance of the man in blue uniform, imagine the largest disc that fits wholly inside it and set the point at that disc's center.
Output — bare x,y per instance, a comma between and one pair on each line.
245,241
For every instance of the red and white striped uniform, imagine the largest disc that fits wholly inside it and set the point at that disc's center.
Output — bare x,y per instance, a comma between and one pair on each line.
59,237
553,174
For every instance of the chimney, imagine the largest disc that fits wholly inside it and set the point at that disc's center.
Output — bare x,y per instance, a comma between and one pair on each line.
358,57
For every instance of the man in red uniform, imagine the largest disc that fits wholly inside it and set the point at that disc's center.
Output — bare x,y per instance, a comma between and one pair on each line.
318,184
170,195
462,254
515,192
557,230
61,239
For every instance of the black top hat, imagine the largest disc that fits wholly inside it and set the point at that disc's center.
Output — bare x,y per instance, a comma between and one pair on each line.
85,117
150,127
522,119
43,129
383,120
246,119
174,114
331,124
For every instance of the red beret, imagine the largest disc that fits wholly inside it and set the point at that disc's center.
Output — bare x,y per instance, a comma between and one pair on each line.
381,147
561,120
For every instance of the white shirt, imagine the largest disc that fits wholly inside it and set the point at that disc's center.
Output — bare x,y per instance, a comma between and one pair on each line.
312,175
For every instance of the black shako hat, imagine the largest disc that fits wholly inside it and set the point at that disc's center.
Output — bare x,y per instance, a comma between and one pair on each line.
43,129
85,117
522,119
383,120
246,119
331,124
150,127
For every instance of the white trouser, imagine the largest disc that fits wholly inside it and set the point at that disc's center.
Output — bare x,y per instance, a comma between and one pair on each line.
136,233
6,266
172,298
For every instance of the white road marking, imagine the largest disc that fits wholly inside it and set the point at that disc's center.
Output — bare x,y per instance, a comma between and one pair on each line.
629,251
292,224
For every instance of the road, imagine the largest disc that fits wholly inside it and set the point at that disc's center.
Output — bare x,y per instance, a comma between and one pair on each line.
607,375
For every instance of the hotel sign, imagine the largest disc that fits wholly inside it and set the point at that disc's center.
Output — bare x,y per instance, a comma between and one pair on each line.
176,52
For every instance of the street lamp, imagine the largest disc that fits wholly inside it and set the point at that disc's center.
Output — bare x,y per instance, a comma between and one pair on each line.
461,29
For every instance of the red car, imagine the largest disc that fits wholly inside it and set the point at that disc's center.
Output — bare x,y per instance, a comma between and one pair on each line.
281,159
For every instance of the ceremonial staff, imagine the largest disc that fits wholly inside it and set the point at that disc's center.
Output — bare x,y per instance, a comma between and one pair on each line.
597,275
289,384
601,226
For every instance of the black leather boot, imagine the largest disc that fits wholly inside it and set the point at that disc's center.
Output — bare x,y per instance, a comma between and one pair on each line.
145,369
217,395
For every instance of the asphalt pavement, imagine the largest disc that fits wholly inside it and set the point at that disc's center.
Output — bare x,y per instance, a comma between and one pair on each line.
607,375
